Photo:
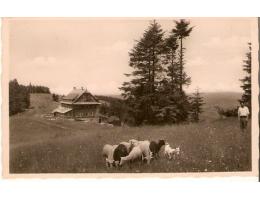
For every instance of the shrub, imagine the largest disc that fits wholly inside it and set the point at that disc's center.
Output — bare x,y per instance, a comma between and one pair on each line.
230,112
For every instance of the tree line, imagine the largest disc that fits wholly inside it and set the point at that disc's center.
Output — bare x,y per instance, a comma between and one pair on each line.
19,95
154,94
38,89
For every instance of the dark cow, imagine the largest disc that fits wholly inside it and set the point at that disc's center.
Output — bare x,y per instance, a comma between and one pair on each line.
155,147
120,151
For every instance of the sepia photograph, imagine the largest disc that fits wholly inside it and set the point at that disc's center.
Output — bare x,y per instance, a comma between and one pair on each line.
129,96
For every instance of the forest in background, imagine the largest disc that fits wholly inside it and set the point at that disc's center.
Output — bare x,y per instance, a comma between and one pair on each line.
19,95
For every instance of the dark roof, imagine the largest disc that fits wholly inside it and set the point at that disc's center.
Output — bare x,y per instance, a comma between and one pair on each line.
75,94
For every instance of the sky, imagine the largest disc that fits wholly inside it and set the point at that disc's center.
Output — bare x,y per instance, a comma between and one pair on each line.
93,52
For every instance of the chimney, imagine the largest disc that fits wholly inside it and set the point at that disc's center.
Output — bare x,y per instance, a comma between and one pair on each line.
74,88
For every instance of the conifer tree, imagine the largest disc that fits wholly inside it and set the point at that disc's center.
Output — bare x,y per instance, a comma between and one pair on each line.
141,92
246,81
196,106
181,31
177,108
154,91
170,61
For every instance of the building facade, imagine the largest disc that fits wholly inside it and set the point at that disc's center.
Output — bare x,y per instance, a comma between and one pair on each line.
78,104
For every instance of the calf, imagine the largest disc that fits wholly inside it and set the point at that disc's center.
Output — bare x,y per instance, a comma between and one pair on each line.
169,152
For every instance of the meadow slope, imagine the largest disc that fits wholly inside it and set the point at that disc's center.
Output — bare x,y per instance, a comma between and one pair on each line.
39,145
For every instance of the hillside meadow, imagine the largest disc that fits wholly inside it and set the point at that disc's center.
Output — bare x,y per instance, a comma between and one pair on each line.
40,145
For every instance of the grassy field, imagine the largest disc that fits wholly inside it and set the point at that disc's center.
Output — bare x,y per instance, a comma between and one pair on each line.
39,145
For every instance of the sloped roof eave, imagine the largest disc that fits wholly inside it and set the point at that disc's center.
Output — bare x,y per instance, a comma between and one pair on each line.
62,110
81,103
75,94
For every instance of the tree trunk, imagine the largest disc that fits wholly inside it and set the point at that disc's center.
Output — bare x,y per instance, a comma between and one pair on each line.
181,67
172,74
153,74
149,74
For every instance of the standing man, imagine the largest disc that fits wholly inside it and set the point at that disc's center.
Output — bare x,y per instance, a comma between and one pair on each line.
243,114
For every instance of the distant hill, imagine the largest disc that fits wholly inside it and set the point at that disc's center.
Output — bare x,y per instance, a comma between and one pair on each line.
108,98
116,96
222,99
212,99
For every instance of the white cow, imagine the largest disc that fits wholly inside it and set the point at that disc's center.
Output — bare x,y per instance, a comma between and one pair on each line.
144,146
135,154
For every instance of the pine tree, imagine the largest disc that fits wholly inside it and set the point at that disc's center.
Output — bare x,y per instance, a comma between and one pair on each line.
175,106
181,31
141,92
196,106
172,69
246,81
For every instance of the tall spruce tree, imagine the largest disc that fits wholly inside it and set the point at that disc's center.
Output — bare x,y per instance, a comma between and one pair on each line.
196,103
246,81
141,92
177,107
172,103
170,62
181,31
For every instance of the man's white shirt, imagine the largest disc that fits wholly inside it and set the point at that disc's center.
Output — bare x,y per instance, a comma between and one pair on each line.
243,111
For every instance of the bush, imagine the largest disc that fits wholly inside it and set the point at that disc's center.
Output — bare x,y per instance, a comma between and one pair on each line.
113,107
230,112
